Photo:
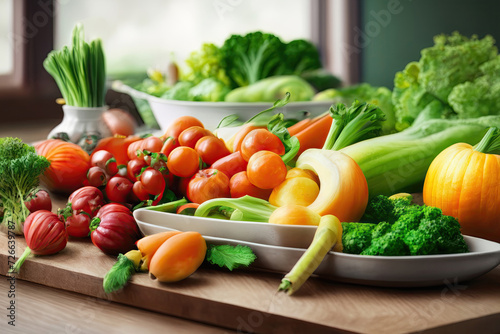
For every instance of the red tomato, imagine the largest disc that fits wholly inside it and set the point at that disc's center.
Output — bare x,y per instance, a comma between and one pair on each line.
87,200
266,169
96,177
118,189
104,160
207,184
82,206
114,229
45,233
118,146
183,161
139,191
230,164
240,186
180,124
78,225
211,149
134,168
153,181
169,144
39,200
150,144
191,135
260,140
68,168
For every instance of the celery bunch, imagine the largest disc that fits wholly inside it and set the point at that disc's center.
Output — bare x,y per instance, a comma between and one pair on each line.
79,71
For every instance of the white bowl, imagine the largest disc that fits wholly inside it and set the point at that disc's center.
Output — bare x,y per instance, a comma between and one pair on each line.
211,113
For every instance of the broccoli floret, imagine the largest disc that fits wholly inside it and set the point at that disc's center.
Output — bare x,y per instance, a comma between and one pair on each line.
438,235
356,236
20,168
389,244
382,208
300,56
399,228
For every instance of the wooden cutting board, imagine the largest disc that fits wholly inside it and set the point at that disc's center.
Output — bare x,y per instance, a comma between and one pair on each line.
249,300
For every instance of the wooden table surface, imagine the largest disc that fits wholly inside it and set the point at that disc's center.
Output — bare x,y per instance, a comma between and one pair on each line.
63,293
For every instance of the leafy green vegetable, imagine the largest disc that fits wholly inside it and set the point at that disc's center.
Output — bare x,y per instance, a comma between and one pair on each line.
415,230
252,57
20,168
396,162
379,96
206,64
257,55
210,89
481,96
321,79
179,91
273,88
350,125
79,71
449,72
301,56
230,257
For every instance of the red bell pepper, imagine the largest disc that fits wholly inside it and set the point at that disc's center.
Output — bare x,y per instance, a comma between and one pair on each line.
114,229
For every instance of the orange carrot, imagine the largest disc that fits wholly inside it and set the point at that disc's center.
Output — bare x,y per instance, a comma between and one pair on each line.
178,257
314,136
299,126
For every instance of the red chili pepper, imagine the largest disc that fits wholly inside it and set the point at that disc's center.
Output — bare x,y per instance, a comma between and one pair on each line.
114,229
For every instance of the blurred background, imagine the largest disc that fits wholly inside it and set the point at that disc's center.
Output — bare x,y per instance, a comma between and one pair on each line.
359,40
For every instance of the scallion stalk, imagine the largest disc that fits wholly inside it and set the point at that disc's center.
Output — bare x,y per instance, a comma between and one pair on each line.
79,71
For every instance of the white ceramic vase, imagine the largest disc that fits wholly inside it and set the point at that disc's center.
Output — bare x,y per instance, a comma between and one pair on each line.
81,122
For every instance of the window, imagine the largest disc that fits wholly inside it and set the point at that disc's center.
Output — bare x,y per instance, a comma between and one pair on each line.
137,35
6,30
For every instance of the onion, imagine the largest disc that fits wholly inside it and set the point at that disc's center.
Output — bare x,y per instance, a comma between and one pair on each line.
119,122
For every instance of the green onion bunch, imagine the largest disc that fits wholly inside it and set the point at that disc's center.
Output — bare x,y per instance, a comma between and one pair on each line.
79,71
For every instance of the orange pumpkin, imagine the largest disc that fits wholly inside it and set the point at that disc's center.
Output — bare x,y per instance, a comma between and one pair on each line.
68,165
464,182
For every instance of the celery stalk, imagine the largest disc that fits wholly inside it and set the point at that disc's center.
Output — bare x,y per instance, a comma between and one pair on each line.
328,234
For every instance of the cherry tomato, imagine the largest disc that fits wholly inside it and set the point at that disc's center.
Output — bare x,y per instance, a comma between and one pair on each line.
207,184
78,225
211,149
104,160
139,191
150,144
191,135
231,164
96,177
266,169
118,146
180,124
183,161
168,145
240,135
240,185
153,181
260,140
134,168
118,189
39,200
